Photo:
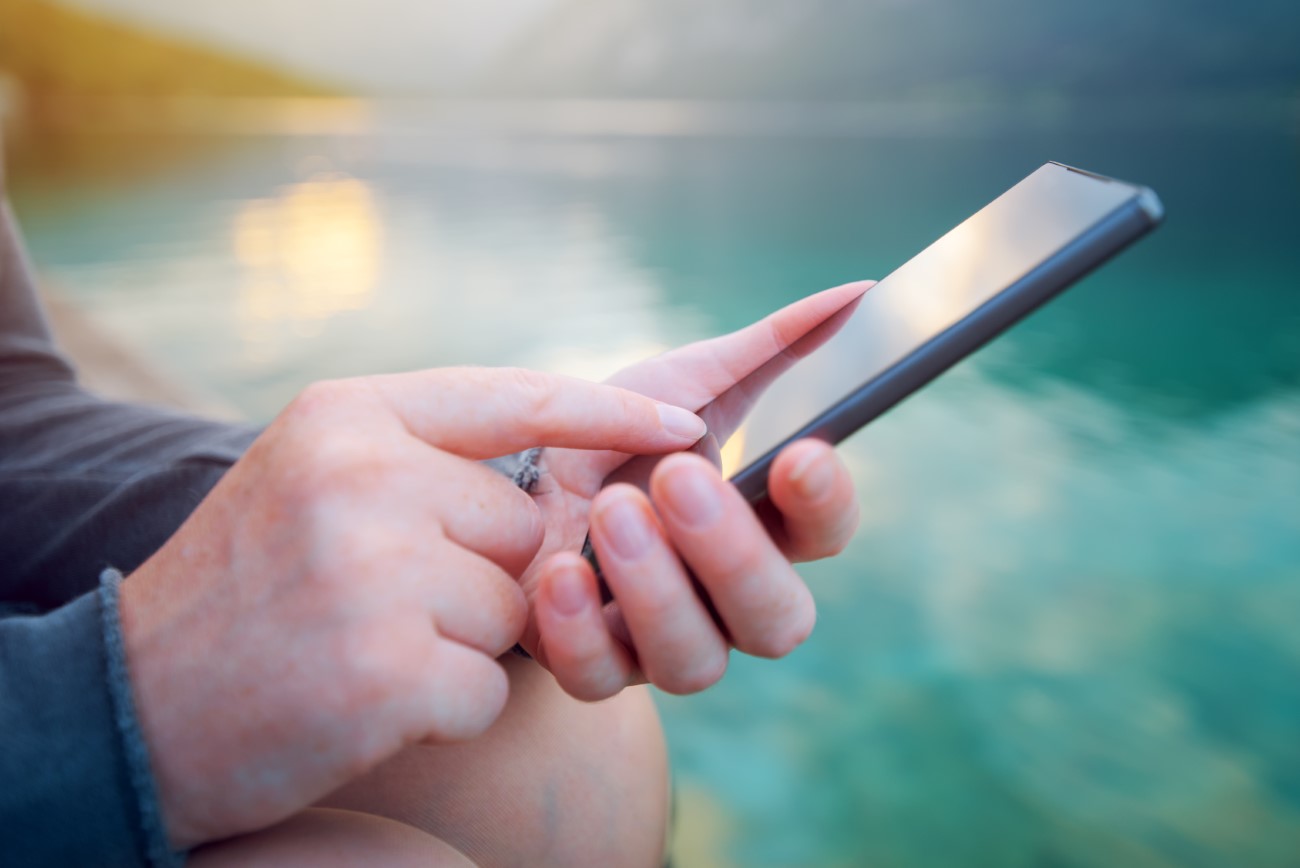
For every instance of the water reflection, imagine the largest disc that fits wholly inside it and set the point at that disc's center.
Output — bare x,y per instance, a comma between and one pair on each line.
312,251
1065,634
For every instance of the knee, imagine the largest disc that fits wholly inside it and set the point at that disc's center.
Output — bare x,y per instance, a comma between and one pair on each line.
601,792
554,781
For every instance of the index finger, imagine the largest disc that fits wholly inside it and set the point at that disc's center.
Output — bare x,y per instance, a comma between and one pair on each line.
713,366
487,412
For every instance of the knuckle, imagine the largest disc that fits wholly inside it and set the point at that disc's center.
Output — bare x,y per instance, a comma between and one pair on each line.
317,398
517,526
529,528
311,455
533,390
634,406
659,602
373,661
736,569
334,459
367,660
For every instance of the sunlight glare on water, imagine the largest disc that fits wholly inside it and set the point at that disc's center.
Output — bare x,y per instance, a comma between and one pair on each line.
313,251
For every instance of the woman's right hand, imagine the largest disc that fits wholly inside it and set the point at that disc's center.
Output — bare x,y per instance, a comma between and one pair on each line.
345,589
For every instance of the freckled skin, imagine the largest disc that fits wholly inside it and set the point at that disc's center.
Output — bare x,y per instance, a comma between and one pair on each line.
319,557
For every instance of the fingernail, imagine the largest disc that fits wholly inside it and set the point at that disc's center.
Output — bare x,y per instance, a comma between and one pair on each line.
692,497
681,423
624,528
813,476
568,592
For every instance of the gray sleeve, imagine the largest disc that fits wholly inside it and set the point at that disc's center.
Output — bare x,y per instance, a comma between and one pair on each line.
84,484
68,796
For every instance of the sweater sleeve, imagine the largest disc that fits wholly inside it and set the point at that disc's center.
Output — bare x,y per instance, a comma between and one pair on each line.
68,796
84,484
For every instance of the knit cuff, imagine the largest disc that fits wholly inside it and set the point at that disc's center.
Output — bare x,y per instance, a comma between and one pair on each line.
135,750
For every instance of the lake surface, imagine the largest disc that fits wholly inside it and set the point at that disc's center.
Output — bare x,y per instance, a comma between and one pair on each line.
1068,632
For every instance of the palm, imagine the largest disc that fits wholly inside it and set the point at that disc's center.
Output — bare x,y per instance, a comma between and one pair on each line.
702,377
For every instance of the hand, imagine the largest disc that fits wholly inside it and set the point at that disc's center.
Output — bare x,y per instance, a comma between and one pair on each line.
345,589
686,523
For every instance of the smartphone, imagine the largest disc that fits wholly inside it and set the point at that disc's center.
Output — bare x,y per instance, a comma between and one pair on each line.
1020,250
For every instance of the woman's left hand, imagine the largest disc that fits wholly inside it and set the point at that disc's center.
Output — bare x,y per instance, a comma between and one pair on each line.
693,569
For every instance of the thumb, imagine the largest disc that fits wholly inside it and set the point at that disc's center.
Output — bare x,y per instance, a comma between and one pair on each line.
486,412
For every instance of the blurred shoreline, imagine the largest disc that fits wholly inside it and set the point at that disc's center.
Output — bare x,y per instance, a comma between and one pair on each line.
107,367
404,116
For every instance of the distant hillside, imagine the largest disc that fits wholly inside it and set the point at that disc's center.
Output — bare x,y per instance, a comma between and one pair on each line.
846,49
55,52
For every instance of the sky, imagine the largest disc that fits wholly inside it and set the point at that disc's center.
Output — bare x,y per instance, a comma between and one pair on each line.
368,45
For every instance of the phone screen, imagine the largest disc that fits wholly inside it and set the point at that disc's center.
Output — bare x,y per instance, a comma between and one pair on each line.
944,285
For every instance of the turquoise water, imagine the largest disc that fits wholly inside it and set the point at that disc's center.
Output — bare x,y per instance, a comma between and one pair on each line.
1067,632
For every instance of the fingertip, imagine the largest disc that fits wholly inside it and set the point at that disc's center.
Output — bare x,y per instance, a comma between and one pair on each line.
586,660
689,493
808,468
568,586
681,424
812,490
623,523
793,631
704,672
